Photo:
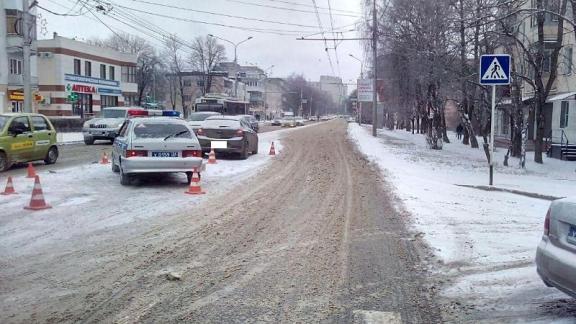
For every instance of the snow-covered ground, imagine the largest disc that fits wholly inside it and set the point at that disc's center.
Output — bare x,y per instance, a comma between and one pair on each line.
73,137
89,198
485,240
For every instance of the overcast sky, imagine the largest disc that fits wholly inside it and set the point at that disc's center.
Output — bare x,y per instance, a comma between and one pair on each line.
287,54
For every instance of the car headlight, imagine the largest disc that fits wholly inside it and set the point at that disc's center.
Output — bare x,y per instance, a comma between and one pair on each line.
87,124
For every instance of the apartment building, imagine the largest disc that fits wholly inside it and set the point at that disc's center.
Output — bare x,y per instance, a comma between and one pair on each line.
560,109
97,77
11,57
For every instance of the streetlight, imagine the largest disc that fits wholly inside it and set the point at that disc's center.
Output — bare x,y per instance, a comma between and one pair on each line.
233,44
361,65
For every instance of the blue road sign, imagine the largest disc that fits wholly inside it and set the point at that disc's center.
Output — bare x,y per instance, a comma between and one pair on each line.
495,69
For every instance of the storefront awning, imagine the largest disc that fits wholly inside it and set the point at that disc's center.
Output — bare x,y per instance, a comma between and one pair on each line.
560,96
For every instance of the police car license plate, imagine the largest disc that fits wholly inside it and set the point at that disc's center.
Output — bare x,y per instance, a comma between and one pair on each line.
572,235
165,154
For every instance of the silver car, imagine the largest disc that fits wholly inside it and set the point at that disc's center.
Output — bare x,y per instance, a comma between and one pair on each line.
196,119
155,145
556,254
106,126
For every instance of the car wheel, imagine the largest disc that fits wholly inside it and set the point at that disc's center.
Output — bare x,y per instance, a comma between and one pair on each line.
255,149
125,179
4,163
89,140
51,156
244,153
115,167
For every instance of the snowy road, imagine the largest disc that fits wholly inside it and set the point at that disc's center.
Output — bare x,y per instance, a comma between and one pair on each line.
310,235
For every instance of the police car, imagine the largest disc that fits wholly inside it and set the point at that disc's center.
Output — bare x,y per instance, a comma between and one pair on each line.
26,137
152,141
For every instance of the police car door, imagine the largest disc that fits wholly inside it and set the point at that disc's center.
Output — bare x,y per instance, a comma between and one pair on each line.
120,142
22,141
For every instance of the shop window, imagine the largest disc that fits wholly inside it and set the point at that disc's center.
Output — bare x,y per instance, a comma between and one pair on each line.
108,101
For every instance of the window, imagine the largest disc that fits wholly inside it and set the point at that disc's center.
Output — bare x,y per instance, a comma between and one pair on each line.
505,123
40,123
15,66
200,83
111,72
13,23
102,71
187,83
77,67
564,110
108,101
88,68
22,123
128,74
567,60
187,98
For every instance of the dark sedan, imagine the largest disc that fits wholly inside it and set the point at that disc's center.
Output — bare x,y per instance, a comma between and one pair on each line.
228,134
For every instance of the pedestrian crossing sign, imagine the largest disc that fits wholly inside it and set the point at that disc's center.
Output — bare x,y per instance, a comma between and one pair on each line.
495,69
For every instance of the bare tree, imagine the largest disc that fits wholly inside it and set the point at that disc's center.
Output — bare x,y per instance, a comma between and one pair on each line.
206,54
175,65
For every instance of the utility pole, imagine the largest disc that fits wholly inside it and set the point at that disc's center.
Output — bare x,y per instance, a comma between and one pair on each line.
375,80
26,68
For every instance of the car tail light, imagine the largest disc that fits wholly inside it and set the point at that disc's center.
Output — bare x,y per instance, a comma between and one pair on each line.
240,132
199,131
136,153
191,153
547,222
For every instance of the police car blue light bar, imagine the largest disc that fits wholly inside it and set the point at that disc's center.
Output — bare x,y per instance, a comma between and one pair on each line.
150,113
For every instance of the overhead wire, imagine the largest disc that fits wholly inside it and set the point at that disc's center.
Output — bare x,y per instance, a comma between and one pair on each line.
289,9
323,36
221,14
310,6
334,38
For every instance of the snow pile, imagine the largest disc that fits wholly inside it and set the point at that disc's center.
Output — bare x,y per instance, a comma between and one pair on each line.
485,240
87,199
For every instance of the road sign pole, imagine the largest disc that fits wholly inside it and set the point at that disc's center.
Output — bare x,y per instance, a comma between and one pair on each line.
492,123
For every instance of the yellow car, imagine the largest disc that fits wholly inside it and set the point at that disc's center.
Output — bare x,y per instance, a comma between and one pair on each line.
26,137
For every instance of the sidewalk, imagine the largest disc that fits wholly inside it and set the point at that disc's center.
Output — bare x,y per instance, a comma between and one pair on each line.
485,241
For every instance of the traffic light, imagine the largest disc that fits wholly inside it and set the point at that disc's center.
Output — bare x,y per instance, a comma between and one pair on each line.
72,97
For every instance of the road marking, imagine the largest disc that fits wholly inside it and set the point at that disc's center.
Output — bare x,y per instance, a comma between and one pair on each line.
376,317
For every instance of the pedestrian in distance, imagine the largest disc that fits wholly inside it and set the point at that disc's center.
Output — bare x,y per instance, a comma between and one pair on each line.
459,131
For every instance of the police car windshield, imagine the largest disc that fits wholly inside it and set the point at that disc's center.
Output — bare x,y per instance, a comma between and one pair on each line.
161,130
3,120
113,113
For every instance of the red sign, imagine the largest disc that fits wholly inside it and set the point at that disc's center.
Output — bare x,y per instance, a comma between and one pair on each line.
83,88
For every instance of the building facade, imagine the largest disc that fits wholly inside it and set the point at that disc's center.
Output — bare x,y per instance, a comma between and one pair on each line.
560,109
195,83
274,92
77,79
337,90
255,80
11,58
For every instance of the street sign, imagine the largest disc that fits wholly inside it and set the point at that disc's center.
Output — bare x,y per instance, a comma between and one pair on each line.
365,90
495,69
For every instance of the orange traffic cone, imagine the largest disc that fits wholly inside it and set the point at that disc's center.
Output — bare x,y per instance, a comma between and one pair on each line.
31,171
212,157
9,188
37,201
272,149
104,159
195,188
